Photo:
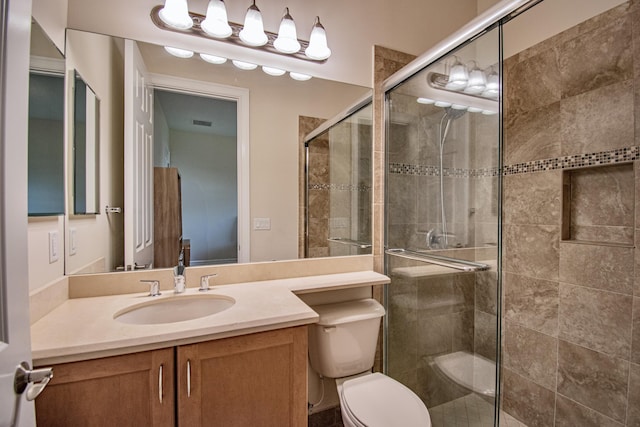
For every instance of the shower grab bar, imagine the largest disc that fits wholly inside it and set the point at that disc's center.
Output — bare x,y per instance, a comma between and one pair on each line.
350,242
458,264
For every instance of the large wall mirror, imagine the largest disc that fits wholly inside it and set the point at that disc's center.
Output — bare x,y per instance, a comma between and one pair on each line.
46,127
188,109
86,153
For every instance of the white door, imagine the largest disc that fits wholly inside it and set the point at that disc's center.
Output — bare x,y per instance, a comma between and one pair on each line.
138,160
15,345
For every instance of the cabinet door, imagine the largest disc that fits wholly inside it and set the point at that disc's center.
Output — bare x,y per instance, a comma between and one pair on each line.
252,380
135,389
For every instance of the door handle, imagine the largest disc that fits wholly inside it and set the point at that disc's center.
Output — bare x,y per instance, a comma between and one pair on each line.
38,378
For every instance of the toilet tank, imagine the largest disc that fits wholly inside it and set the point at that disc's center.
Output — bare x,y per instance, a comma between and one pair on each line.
343,342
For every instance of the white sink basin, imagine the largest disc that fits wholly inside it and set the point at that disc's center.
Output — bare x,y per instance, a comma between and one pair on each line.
174,309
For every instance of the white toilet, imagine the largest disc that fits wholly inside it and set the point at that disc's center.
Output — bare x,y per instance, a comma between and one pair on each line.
342,345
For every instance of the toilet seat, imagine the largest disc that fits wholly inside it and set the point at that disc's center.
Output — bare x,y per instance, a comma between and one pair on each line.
375,400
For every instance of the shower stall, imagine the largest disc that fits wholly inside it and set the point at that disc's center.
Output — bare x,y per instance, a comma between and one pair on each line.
511,218
442,231
338,184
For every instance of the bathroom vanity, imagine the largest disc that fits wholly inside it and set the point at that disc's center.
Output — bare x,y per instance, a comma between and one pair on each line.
256,379
244,365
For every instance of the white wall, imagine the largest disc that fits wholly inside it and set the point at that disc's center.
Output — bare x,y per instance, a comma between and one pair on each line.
99,62
52,17
161,152
207,167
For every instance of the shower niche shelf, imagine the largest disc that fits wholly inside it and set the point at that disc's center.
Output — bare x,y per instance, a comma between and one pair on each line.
598,205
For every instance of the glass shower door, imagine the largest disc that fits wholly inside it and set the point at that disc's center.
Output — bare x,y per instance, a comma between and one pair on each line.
442,233
338,211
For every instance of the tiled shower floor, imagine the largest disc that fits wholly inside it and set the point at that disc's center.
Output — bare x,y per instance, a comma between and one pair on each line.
469,411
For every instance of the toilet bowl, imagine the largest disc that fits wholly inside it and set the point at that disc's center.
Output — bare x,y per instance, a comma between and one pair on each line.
342,345
376,400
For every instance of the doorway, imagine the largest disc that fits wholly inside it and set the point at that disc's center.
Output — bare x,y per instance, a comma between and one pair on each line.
197,136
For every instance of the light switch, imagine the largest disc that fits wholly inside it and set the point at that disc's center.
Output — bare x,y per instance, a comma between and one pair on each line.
53,247
262,223
73,241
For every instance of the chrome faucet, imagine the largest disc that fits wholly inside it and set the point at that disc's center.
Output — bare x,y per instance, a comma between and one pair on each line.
154,287
179,285
204,282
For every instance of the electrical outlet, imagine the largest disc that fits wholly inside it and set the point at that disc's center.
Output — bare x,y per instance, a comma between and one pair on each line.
73,241
262,223
54,251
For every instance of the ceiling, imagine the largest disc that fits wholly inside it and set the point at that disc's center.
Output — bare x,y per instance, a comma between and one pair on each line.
182,109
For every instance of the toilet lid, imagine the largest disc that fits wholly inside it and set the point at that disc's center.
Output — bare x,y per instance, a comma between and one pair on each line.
379,401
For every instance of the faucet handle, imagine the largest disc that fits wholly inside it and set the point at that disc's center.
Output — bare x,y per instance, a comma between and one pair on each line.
204,282
154,287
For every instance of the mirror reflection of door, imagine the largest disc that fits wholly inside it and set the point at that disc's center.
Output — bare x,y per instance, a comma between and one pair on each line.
197,136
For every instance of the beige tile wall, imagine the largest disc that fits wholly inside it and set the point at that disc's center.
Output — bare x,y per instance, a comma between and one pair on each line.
571,311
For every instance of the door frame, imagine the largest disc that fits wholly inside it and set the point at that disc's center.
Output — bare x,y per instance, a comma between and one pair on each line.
15,339
241,97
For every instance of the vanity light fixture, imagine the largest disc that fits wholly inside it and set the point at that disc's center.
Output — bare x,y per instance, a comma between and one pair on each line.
175,16
287,41
216,23
253,33
180,53
299,76
213,59
477,81
318,48
273,71
244,65
458,76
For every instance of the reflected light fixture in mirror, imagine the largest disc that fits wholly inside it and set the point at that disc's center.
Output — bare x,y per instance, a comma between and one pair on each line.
180,53
175,16
242,65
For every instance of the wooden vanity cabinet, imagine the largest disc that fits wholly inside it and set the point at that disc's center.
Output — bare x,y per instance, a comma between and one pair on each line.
251,380
133,389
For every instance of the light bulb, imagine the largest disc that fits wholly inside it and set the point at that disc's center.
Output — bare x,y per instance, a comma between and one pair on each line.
213,59
459,107
442,104
273,71
175,14
299,76
180,53
477,81
426,101
318,48
287,41
474,110
216,24
493,81
244,65
458,76
252,33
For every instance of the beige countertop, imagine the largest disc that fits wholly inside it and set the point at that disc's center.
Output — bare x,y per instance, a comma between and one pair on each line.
85,328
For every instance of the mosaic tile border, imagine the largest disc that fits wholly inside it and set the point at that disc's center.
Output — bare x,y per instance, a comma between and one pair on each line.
339,187
427,170
619,155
